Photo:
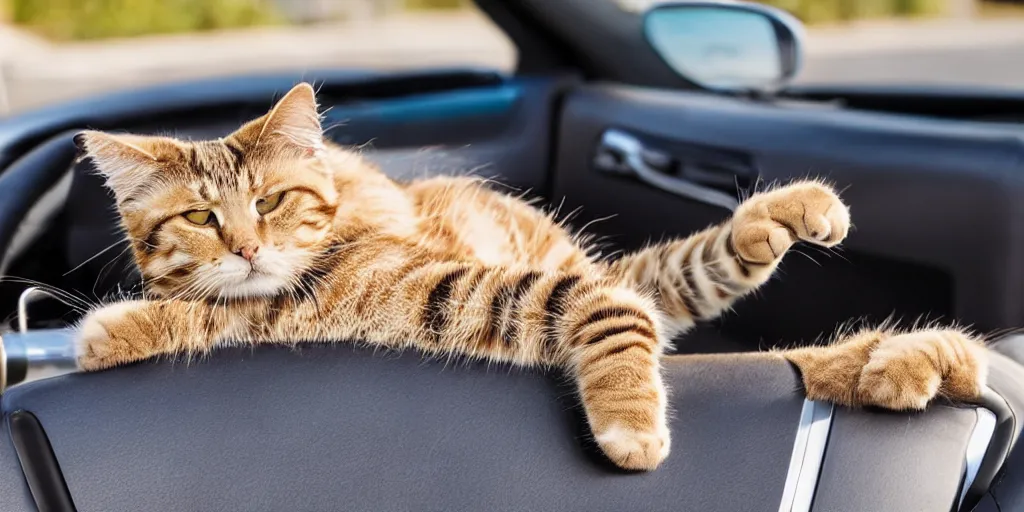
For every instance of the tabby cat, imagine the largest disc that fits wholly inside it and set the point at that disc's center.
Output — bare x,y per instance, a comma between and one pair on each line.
273,235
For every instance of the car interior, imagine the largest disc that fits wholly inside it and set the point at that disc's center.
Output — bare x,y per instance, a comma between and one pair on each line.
933,178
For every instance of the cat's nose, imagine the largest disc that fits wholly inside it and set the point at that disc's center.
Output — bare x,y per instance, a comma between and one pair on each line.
248,251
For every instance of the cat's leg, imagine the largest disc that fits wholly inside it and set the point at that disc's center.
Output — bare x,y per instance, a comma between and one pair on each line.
698,277
617,367
607,336
893,369
126,332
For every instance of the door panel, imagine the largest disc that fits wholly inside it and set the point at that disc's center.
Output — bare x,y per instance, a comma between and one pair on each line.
935,205
967,103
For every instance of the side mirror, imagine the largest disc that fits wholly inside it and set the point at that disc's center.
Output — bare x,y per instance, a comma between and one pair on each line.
728,46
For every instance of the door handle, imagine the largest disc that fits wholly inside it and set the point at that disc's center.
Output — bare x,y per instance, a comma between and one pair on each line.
623,153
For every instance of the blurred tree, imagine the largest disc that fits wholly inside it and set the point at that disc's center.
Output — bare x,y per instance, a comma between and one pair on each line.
94,19
921,7
436,4
824,11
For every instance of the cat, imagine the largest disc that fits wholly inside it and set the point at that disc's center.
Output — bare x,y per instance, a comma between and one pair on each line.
272,234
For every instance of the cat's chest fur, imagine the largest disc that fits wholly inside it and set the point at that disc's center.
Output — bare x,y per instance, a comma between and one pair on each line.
460,217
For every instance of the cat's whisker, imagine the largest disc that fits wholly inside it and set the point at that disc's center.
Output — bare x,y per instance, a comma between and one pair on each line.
80,303
102,272
804,254
94,256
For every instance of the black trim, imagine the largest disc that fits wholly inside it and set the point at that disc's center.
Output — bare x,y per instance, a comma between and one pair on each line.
600,39
993,104
28,178
39,464
1003,439
539,51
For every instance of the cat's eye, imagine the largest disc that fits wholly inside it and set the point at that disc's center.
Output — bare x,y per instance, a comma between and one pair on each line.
267,204
199,217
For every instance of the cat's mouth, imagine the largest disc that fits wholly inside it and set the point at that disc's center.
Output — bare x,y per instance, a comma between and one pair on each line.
257,283
256,271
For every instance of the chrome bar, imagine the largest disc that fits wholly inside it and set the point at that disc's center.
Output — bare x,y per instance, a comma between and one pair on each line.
35,355
28,296
808,455
977,447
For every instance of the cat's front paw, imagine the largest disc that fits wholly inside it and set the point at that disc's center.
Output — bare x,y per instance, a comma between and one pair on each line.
768,224
894,370
635,450
110,336
906,371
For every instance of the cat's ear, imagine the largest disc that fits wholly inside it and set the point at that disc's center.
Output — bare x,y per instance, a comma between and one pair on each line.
293,123
127,162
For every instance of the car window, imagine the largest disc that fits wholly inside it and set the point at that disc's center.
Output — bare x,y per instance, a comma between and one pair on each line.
906,42
53,50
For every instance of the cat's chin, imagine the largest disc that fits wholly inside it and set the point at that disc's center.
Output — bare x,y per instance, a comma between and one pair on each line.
255,286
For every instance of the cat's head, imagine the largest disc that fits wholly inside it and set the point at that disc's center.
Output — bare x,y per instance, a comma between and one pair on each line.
242,216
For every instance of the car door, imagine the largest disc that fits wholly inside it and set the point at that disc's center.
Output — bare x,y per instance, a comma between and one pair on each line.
932,179
934,203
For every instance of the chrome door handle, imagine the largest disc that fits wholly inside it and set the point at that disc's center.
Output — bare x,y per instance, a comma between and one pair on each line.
630,151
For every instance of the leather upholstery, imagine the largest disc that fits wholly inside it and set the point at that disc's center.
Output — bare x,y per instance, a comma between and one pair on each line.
332,428
14,494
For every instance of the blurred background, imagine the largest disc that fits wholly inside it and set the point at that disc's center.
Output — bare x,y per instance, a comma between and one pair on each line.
51,50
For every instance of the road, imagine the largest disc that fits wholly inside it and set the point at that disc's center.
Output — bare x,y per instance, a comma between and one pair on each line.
984,52
1001,66
36,73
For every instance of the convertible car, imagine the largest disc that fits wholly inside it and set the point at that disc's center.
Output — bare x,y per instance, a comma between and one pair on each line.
648,124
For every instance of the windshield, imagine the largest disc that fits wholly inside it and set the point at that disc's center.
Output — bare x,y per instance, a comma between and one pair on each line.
906,42
55,50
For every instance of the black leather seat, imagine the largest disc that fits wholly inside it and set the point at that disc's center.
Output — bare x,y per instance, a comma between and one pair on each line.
1011,347
329,428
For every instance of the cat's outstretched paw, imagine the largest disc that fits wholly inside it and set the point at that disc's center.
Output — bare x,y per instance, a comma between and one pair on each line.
635,450
768,224
898,371
101,341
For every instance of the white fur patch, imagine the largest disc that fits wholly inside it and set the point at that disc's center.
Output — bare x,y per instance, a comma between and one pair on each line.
489,239
271,272
558,254
255,286
631,440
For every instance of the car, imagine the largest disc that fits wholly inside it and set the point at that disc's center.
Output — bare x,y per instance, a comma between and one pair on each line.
649,124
